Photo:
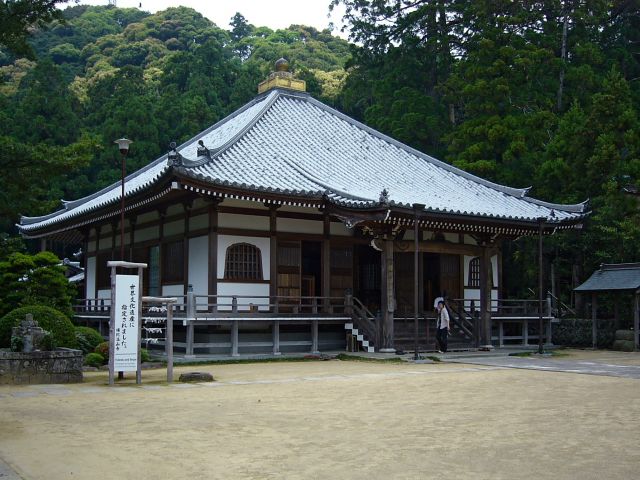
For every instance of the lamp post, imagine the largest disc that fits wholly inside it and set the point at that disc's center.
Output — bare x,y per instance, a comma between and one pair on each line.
540,273
123,146
417,207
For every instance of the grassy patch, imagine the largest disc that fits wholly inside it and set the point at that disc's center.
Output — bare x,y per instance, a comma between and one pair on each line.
520,354
355,358
433,358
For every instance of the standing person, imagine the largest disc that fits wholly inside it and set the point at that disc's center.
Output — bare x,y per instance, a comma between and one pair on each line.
444,327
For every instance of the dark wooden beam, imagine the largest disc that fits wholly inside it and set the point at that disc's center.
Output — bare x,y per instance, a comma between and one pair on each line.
213,248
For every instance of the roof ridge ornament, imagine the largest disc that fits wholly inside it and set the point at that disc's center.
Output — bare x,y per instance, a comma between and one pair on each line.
282,78
174,158
203,151
384,197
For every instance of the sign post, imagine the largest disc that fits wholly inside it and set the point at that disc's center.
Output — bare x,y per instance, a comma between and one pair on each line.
125,322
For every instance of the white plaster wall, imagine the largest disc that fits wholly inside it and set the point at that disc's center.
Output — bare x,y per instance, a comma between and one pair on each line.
174,291
147,217
474,294
199,202
105,242
175,209
469,240
151,233
104,294
299,226
451,237
263,243
90,278
199,265
244,289
198,222
232,202
250,222
291,208
339,229
494,269
173,228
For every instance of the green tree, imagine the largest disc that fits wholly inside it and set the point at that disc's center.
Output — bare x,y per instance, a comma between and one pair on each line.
34,280
17,17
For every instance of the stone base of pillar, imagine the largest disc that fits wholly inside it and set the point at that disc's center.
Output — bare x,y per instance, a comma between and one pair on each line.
189,357
277,353
486,348
387,350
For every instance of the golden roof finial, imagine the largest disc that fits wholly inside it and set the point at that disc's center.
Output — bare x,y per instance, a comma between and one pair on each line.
282,78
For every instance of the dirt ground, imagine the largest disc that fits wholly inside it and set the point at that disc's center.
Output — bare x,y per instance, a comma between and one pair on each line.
327,420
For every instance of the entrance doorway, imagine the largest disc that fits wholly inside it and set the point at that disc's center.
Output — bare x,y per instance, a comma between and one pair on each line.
311,284
441,277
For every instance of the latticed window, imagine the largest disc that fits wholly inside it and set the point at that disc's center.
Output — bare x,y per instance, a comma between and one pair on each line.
474,273
173,262
243,262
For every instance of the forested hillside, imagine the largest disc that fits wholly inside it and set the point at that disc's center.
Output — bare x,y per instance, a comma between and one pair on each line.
104,72
528,93
543,94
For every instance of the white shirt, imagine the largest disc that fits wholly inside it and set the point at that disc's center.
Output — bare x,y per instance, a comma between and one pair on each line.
443,317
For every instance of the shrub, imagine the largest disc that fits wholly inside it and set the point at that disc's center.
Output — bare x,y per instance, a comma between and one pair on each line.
88,339
50,319
94,360
144,355
103,349
34,280
576,332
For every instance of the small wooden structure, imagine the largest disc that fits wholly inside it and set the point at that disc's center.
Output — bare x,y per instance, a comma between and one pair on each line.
614,277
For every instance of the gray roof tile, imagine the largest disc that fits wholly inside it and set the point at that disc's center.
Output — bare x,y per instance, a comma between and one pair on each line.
291,143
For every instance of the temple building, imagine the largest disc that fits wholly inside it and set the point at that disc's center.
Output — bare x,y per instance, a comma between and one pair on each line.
288,220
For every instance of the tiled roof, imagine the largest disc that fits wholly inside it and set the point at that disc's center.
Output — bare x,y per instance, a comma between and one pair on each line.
621,276
286,142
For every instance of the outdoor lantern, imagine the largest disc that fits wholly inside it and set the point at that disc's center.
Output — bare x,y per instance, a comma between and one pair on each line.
123,145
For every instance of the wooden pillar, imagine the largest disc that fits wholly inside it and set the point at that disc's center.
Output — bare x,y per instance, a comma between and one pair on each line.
594,320
234,338
326,262
314,337
168,347
162,214
212,288
636,320
485,298
190,335
276,337
43,244
273,247
185,245
388,295
132,229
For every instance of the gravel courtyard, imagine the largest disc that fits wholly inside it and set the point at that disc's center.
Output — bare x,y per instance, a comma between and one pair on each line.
327,420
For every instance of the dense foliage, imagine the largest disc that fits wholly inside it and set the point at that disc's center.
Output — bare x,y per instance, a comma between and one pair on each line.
101,73
49,319
543,94
88,339
34,280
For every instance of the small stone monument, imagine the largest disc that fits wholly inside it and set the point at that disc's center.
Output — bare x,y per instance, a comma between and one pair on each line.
33,360
29,337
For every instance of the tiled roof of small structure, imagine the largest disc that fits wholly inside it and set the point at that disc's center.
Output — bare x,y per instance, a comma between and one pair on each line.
288,143
613,276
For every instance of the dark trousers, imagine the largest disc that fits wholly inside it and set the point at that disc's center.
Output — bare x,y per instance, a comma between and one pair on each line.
442,337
